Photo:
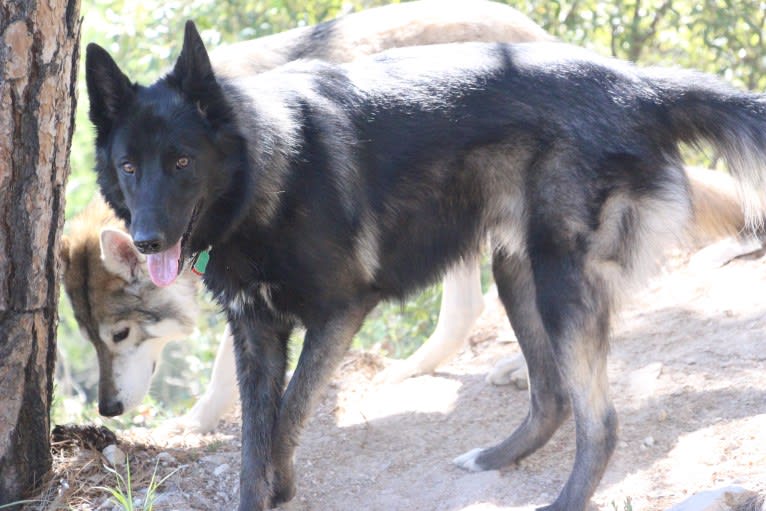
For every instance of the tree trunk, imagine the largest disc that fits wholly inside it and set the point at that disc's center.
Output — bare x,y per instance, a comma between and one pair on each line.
38,66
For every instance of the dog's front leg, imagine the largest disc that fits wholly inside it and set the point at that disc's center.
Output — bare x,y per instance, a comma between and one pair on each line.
260,346
324,345
219,397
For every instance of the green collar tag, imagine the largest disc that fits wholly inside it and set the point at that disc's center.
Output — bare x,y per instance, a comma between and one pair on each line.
200,262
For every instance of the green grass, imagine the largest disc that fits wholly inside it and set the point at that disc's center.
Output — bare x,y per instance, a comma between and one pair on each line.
122,493
626,506
19,503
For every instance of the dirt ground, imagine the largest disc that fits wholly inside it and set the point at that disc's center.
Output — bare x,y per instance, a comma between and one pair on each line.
688,374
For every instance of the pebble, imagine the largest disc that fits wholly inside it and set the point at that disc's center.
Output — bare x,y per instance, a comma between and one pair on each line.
107,505
648,441
214,459
165,457
114,455
221,469
730,498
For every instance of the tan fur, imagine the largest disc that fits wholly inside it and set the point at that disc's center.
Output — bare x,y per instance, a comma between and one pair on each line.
87,282
391,26
81,253
717,208
99,293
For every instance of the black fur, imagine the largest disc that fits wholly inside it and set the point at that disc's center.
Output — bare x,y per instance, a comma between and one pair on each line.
324,189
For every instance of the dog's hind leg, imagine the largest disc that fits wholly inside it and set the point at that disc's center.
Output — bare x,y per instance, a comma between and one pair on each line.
574,304
219,397
324,345
549,401
462,304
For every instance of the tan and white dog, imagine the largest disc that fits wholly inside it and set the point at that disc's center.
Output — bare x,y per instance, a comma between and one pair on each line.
126,318
129,320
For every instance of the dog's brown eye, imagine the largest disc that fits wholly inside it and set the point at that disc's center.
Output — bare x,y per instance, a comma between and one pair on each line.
128,168
121,335
182,162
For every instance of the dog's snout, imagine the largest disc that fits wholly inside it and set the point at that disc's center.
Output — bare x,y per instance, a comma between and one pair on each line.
148,243
110,408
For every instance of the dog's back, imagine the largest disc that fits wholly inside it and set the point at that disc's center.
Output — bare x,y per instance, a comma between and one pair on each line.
371,31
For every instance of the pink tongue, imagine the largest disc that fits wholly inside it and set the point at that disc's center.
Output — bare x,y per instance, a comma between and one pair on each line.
163,266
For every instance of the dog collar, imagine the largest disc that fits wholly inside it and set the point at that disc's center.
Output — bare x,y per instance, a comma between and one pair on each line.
199,263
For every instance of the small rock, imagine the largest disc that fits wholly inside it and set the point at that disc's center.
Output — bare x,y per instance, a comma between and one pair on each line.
107,505
170,498
114,455
214,459
648,441
163,499
221,469
730,498
166,457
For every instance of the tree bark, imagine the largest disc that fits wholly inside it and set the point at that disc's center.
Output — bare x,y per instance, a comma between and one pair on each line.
39,52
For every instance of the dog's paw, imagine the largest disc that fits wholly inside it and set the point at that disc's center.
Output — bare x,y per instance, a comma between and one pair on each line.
722,252
467,461
510,371
284,491
185,425
397,372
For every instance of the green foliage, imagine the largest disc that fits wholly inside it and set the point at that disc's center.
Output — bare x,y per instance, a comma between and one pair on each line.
725,37
18,503
154,484
397,329
626,506
721,37
122,492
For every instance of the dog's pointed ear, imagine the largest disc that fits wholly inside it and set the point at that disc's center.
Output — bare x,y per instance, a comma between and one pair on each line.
109,90
120,256
193,71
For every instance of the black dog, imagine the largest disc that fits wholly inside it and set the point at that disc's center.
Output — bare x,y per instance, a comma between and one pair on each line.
320,190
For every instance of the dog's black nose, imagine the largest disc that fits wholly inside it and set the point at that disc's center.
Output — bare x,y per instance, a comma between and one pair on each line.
110,408
148,244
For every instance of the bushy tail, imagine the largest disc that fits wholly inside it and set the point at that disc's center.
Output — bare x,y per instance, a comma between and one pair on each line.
703,109
717,206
